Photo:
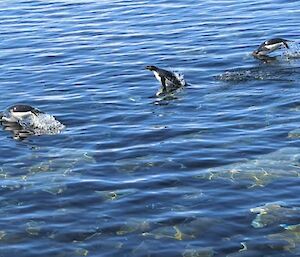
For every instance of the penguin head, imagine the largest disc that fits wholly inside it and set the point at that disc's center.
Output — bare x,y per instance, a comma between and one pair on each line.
260,53
151,68
21,108
21,111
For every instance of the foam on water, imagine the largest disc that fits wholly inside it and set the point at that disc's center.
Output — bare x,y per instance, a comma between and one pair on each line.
245,75
180,77
293,51
42,123
260,73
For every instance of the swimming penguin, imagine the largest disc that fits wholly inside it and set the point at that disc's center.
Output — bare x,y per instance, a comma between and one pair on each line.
270,46
170,81
17,113
24,120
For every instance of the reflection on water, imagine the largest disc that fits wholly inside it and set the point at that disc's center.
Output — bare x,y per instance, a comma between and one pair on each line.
18,132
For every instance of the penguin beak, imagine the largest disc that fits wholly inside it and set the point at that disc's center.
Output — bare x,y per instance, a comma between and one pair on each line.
147,68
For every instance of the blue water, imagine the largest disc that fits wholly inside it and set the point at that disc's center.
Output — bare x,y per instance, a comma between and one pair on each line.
132,175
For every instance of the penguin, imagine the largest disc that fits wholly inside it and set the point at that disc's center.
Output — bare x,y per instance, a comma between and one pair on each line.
169,80
270,46
17,113
24,120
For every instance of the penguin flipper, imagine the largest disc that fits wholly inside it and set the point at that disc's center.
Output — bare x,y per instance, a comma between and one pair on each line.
163,83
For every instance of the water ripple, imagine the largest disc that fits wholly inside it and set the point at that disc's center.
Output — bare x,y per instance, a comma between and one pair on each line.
134,176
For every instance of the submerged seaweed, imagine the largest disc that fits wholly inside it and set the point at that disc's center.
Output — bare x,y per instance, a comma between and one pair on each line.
272,213
261,171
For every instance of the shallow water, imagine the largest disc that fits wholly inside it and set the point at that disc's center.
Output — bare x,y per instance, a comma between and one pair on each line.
132,175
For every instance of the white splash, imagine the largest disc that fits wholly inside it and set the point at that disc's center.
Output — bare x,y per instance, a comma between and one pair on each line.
243,75
180,77
42,123
293,51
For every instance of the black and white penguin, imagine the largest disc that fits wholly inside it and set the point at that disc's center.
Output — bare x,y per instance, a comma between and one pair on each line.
270,46
170,81
17,113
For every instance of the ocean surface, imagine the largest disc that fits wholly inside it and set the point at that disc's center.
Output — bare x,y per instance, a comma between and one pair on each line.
211,171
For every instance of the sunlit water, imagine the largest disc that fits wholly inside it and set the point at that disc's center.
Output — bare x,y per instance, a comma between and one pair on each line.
212,171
